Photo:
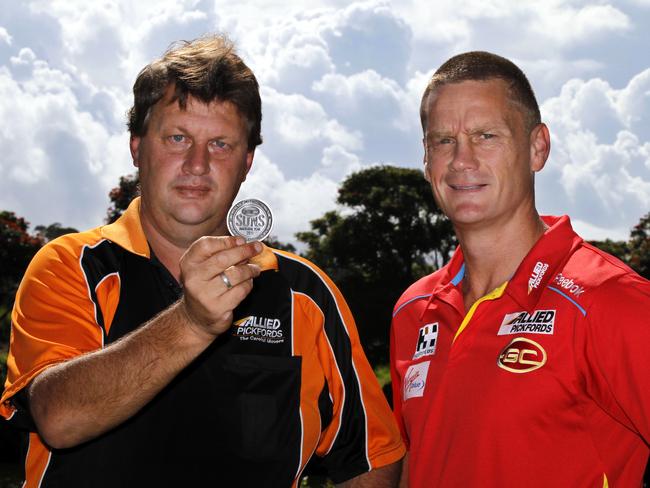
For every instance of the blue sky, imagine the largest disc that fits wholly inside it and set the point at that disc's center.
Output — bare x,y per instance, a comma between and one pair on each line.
341,84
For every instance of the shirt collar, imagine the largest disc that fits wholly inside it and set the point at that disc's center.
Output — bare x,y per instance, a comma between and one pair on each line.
543,262
127,231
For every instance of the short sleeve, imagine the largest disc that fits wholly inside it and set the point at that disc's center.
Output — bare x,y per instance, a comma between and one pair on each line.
53,320
362,434
616,348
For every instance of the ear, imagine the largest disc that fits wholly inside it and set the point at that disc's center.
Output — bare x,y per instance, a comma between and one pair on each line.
134,146
540,147
249,162
426,164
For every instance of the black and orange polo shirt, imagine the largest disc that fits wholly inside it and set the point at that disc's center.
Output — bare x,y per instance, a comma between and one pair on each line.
288,384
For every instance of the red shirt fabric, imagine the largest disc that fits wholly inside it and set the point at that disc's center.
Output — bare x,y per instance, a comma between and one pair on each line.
543,382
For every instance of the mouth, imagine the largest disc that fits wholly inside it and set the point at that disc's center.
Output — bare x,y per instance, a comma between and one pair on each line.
459,187
189,191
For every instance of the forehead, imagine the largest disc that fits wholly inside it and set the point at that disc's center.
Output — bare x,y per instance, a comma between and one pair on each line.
169,111
471,100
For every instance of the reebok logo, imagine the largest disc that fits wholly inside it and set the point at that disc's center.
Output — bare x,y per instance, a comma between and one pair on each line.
569,285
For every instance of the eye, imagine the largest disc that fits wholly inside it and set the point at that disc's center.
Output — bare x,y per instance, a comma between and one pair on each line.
487,135
177,138
219,144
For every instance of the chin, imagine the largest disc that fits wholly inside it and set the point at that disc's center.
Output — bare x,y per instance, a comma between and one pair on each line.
195,214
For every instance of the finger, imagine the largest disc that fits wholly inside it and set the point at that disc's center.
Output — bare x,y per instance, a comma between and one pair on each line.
234,275
229,299
217,263
204,247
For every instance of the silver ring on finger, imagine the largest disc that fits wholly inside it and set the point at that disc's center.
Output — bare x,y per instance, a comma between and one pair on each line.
225,280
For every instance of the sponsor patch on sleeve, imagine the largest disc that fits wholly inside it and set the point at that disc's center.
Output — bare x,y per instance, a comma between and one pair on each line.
536,322
427,339
415,380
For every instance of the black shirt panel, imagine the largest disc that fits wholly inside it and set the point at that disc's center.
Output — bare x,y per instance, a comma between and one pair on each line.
231,418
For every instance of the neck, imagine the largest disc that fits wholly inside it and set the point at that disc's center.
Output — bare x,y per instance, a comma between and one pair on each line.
492,254
169,247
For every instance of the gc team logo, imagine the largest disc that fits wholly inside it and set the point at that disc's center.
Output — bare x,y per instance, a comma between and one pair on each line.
522,355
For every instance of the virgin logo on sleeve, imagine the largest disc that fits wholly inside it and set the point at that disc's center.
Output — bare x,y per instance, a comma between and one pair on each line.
427,338
415,380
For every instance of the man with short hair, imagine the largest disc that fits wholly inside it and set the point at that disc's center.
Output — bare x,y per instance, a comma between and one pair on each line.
159,351
523,361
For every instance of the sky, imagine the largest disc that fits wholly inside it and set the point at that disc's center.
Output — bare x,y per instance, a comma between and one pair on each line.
341,84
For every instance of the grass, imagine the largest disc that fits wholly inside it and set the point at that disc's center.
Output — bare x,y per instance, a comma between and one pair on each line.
382,372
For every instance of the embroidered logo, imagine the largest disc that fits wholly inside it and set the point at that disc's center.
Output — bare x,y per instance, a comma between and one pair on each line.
522,355
569,285
260,329
427,338
536,322
536,277
415,380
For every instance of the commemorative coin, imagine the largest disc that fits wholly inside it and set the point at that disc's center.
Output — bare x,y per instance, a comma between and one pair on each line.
251,218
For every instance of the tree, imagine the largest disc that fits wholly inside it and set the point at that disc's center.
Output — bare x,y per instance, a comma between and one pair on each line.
639,247
17,247
122,195
635,252
52,231
390,234
272,241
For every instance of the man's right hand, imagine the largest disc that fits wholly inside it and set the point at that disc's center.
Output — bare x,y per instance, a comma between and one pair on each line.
207,300
78,399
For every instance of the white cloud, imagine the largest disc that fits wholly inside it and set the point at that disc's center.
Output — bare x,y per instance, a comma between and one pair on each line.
337,163
5,36
294,202
341,85
54,154
566,24
601,157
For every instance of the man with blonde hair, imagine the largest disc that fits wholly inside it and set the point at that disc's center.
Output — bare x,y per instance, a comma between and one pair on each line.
523,361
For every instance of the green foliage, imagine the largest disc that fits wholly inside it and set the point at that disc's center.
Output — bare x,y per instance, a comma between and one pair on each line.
52,231
389,234
635,252
272,241
17,247
639,247
122,195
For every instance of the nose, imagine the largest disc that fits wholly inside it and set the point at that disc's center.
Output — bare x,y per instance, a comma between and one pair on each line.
464,158
197,161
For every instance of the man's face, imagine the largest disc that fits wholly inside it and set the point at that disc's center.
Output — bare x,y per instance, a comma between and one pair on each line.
191,163
479,156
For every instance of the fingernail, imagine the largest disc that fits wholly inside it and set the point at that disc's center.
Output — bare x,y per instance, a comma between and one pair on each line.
240,241
258,246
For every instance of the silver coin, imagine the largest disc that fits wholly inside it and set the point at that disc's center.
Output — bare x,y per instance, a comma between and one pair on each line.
251,218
